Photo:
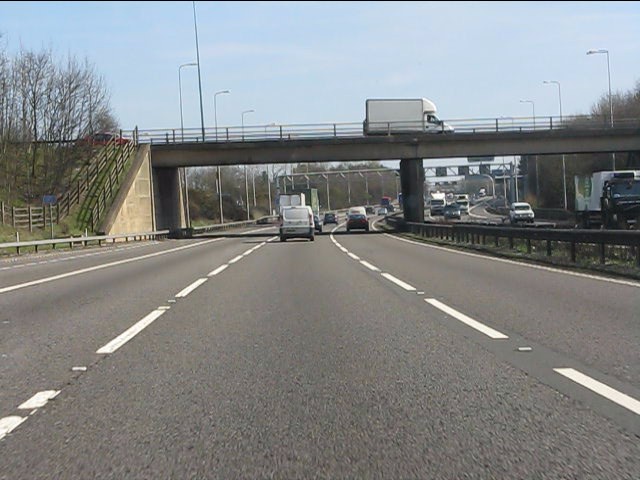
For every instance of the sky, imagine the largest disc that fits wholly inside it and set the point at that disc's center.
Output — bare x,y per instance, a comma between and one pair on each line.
317,62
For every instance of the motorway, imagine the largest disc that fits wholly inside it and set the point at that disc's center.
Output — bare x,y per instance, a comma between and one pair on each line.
355,356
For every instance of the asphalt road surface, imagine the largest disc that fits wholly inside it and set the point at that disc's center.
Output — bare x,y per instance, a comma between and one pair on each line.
355,356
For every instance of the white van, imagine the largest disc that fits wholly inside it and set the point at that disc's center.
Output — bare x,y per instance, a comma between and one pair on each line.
297,222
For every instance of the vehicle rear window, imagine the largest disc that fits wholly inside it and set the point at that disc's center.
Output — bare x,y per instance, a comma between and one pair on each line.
357,216
522,207
296,214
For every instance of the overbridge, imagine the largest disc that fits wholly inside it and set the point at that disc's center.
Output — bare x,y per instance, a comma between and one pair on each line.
172,149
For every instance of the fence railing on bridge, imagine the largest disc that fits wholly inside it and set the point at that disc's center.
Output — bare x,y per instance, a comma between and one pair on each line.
275,132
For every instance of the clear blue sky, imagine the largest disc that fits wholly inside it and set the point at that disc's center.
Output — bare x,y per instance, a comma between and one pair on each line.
312,62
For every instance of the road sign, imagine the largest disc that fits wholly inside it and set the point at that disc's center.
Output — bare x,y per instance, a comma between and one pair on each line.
49,200
481,159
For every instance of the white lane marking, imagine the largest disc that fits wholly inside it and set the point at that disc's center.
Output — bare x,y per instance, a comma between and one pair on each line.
513,262
104,265
128,334
600,388
186,291
369,266
525,349
78,369
355,257
221,268
234,260
40,399
488,331
7,424
398,282
163,307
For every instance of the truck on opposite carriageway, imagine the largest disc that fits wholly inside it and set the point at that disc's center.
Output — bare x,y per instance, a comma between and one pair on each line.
608,199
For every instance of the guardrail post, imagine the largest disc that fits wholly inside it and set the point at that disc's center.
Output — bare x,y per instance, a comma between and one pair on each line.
548,248
573,251
334,130
495,238
30,219
497,128
602,246
510,242
13,216
529,246
2,212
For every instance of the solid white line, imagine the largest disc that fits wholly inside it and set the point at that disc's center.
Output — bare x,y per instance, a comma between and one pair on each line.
186,291
369,266
127,335
355,257
7,424
490,332
234,260
40,399
521,264
600,388
218,270
164,307
398,282
100,267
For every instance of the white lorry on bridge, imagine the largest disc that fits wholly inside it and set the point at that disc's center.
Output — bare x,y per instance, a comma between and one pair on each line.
393,116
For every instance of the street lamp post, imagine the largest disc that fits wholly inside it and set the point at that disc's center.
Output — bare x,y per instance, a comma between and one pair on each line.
192,64
184,170
564,169
215,117
246,179
246,189
243,114
215,109
328,199
602,50
535,157
195,25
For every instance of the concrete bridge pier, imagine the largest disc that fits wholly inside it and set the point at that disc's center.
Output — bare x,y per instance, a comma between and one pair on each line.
169,199
412,183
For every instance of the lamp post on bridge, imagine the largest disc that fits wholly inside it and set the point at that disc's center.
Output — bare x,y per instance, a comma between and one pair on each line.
564,169
593,52
191,64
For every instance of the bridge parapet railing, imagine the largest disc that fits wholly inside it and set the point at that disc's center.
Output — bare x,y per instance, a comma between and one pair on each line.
273,132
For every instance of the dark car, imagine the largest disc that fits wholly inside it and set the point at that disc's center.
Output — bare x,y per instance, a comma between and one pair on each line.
370,210
317,223
452,211
357,222
330,218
